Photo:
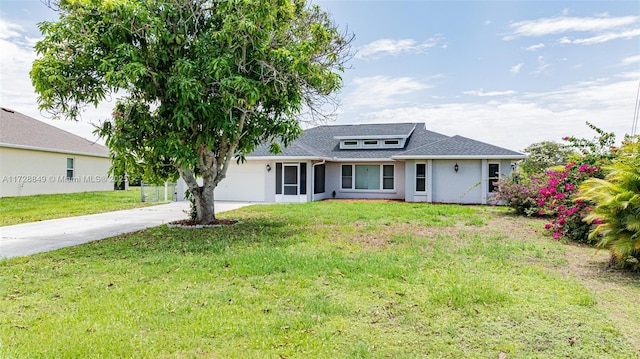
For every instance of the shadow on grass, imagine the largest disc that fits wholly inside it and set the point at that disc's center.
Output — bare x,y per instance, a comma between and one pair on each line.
250,232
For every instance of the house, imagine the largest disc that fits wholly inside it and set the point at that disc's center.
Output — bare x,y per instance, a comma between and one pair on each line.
401,161
37,158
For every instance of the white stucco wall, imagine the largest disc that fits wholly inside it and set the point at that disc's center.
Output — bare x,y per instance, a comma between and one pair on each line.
245,182
29,172
464,186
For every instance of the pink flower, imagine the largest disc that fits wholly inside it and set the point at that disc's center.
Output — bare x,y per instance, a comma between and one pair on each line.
583,168
547,226
566,138
556,235
598,221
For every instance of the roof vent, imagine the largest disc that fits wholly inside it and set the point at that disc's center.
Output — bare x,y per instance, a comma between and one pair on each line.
8,110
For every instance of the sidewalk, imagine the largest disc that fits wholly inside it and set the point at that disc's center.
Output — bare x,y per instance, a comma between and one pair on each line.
29,238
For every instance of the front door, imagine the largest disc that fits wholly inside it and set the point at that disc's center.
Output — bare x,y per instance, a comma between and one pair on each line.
291,182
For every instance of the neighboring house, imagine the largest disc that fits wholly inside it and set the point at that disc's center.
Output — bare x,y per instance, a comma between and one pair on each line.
378,161
37,158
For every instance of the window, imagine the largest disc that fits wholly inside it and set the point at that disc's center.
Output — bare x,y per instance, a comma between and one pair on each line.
318,179
70,168
368,177
370,143
494,173
391,142
387,177
421,177
349,143
347,176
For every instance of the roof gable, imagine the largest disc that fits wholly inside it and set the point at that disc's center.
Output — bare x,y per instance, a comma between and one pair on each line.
21,131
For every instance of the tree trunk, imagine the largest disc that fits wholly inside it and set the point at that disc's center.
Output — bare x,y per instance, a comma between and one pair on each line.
202,195
204,205
213,170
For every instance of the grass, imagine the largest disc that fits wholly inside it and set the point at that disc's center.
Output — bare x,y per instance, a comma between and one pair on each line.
16,210
319,280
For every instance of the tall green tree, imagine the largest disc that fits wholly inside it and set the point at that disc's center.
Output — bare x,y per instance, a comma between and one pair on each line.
543,155
198,81
616,213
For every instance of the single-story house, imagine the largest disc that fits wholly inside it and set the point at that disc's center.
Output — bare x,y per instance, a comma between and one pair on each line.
37,158
401,161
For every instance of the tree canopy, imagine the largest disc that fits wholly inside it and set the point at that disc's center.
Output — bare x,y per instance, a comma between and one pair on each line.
543,155
197,82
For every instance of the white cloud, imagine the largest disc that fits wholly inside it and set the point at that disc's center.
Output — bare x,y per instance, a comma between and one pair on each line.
393,47
628,34
380,91
564,40
9,30
543,66
482,93
559,25
630,60
515,69
522,119
16,90
534,47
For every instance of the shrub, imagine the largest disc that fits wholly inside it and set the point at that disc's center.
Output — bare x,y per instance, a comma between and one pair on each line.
557,200
559,196
520,192
616,213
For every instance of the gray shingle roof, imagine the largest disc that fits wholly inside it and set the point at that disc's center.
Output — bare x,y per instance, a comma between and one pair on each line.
320,142
459,146
19,130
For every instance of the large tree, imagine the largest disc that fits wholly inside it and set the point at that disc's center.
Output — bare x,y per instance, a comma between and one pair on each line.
198,82
543,155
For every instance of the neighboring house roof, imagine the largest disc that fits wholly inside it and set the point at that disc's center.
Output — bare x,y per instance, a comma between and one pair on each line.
323,142
20,131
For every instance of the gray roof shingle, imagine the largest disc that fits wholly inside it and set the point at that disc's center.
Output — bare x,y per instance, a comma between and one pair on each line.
459,146
17,129
321,142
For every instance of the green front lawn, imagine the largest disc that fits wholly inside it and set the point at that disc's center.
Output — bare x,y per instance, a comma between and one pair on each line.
321,280
16,210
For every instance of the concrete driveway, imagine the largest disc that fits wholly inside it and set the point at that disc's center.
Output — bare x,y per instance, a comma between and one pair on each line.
36,237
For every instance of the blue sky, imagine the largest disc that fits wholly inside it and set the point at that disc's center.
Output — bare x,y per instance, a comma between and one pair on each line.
510,73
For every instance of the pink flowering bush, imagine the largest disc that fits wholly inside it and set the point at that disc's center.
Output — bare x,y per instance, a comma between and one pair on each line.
557,199
555,193
520,192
